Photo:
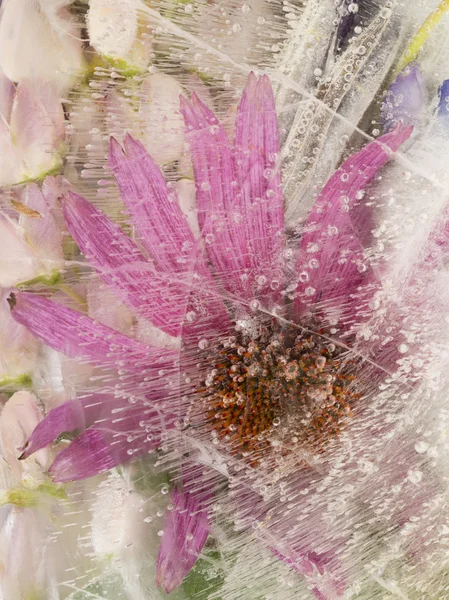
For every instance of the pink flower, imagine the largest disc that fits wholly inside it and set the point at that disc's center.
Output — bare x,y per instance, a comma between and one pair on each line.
264,381
32,130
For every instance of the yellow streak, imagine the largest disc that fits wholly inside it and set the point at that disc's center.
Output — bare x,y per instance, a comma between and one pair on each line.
422,34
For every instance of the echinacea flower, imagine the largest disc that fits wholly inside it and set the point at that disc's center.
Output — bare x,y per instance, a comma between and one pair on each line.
279,345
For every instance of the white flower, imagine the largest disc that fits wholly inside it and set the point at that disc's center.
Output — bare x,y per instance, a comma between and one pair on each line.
31,246
123,533
116,31
163,133
26,564
31,130
18,348
40,41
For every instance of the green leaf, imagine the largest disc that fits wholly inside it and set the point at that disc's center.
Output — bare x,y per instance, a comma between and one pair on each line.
206,578
106,588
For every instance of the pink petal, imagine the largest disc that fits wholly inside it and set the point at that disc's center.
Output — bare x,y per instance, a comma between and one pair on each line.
121,264
129,430
331,262
18,418
88,455
100,449
65,418
219,216
79,336
37,126
240,206
159,219
258,172
186,530
162,298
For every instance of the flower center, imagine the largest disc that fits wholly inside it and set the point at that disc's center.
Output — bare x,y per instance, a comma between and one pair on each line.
276,389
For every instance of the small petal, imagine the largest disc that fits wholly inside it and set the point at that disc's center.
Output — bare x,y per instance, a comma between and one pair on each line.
443,103
37,128
96,451
219,216
163,126
66,418
18,347
43,234
406,98
17,260
258,171
18,418
119,423
186,530
115,31
88,455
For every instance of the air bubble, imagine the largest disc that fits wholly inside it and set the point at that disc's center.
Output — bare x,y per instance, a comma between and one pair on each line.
421,447
415,476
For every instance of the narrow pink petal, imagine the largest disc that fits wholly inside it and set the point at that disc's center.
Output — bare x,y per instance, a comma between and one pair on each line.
128,429
78,335
258,172
98,450
331,262
122,266
220,217
158,218
155,213
65,418
186,530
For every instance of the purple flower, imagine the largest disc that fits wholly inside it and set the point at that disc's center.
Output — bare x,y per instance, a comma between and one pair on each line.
264,378
443,102
406,98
